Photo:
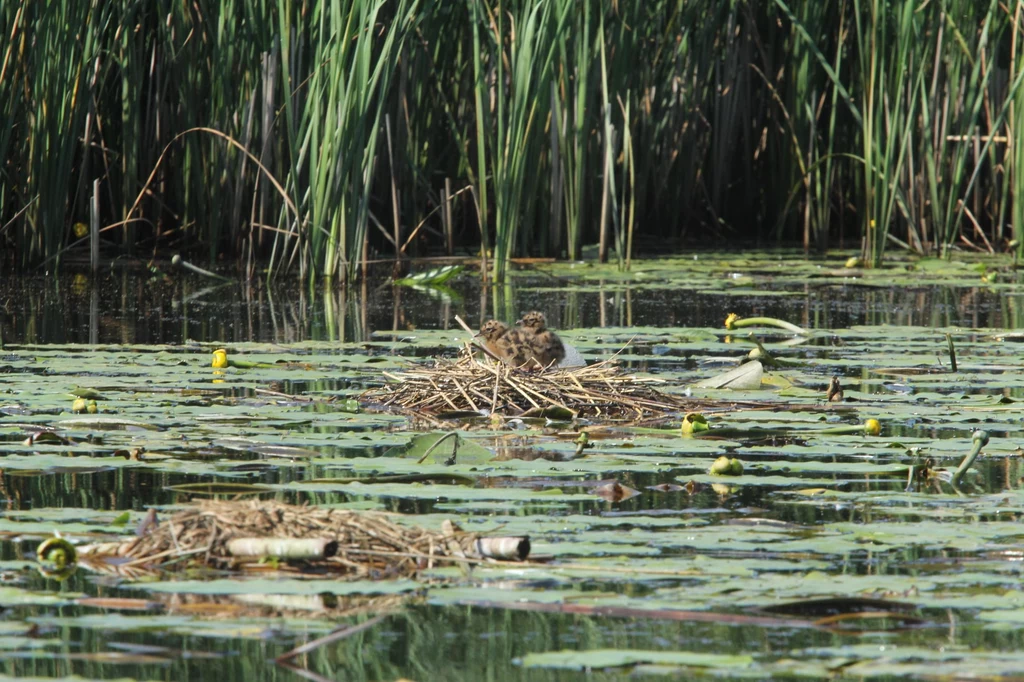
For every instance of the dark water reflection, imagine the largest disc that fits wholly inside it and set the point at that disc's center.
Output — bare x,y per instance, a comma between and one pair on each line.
430,643
420,643
129,307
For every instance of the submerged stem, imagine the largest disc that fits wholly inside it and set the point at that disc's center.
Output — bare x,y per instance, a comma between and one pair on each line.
980,441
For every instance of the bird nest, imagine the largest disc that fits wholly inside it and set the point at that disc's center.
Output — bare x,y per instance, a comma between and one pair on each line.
351,545
600,390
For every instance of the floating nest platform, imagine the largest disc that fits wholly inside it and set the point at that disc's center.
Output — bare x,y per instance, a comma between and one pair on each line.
237,535
601,390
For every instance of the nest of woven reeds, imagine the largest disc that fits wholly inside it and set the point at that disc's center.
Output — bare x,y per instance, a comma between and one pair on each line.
601,390
353,545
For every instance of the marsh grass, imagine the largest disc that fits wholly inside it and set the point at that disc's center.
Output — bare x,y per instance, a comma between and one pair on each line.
687,121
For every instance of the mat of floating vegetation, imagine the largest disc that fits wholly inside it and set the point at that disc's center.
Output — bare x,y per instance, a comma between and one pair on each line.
601,390
353,545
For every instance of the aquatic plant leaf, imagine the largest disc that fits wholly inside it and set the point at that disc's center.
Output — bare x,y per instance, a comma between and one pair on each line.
435,276
248,586
465,450
221,488
105,423
441,492
745,377
14,596
617,658
266,449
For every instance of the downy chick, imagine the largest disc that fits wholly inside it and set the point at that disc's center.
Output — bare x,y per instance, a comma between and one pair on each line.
505,343
544,345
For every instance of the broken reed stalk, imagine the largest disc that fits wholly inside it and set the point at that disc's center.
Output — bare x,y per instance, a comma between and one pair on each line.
303,549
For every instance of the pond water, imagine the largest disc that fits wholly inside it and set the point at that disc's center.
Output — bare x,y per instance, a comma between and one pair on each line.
819,560
127,306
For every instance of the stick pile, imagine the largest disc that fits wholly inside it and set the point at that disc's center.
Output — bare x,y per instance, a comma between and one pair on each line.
600,390
368,544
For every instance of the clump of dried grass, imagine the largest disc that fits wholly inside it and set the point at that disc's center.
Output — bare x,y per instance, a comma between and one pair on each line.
369,544
600,390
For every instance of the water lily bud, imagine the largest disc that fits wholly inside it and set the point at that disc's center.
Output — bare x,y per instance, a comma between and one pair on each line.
220,358
694,422
721,467
872,427
56,551
79,406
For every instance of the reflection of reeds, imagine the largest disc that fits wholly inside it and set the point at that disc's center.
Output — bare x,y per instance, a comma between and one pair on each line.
896,116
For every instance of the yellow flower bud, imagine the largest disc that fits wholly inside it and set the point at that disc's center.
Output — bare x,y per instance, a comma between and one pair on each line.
694,422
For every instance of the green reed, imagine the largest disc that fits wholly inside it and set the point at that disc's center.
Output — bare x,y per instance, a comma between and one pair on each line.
688,120
522,54
334,121
951,113
1015,132
43,133
809,112
569,108
482,126
891,78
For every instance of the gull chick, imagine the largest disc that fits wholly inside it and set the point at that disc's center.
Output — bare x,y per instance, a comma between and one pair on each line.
545,348
506,343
